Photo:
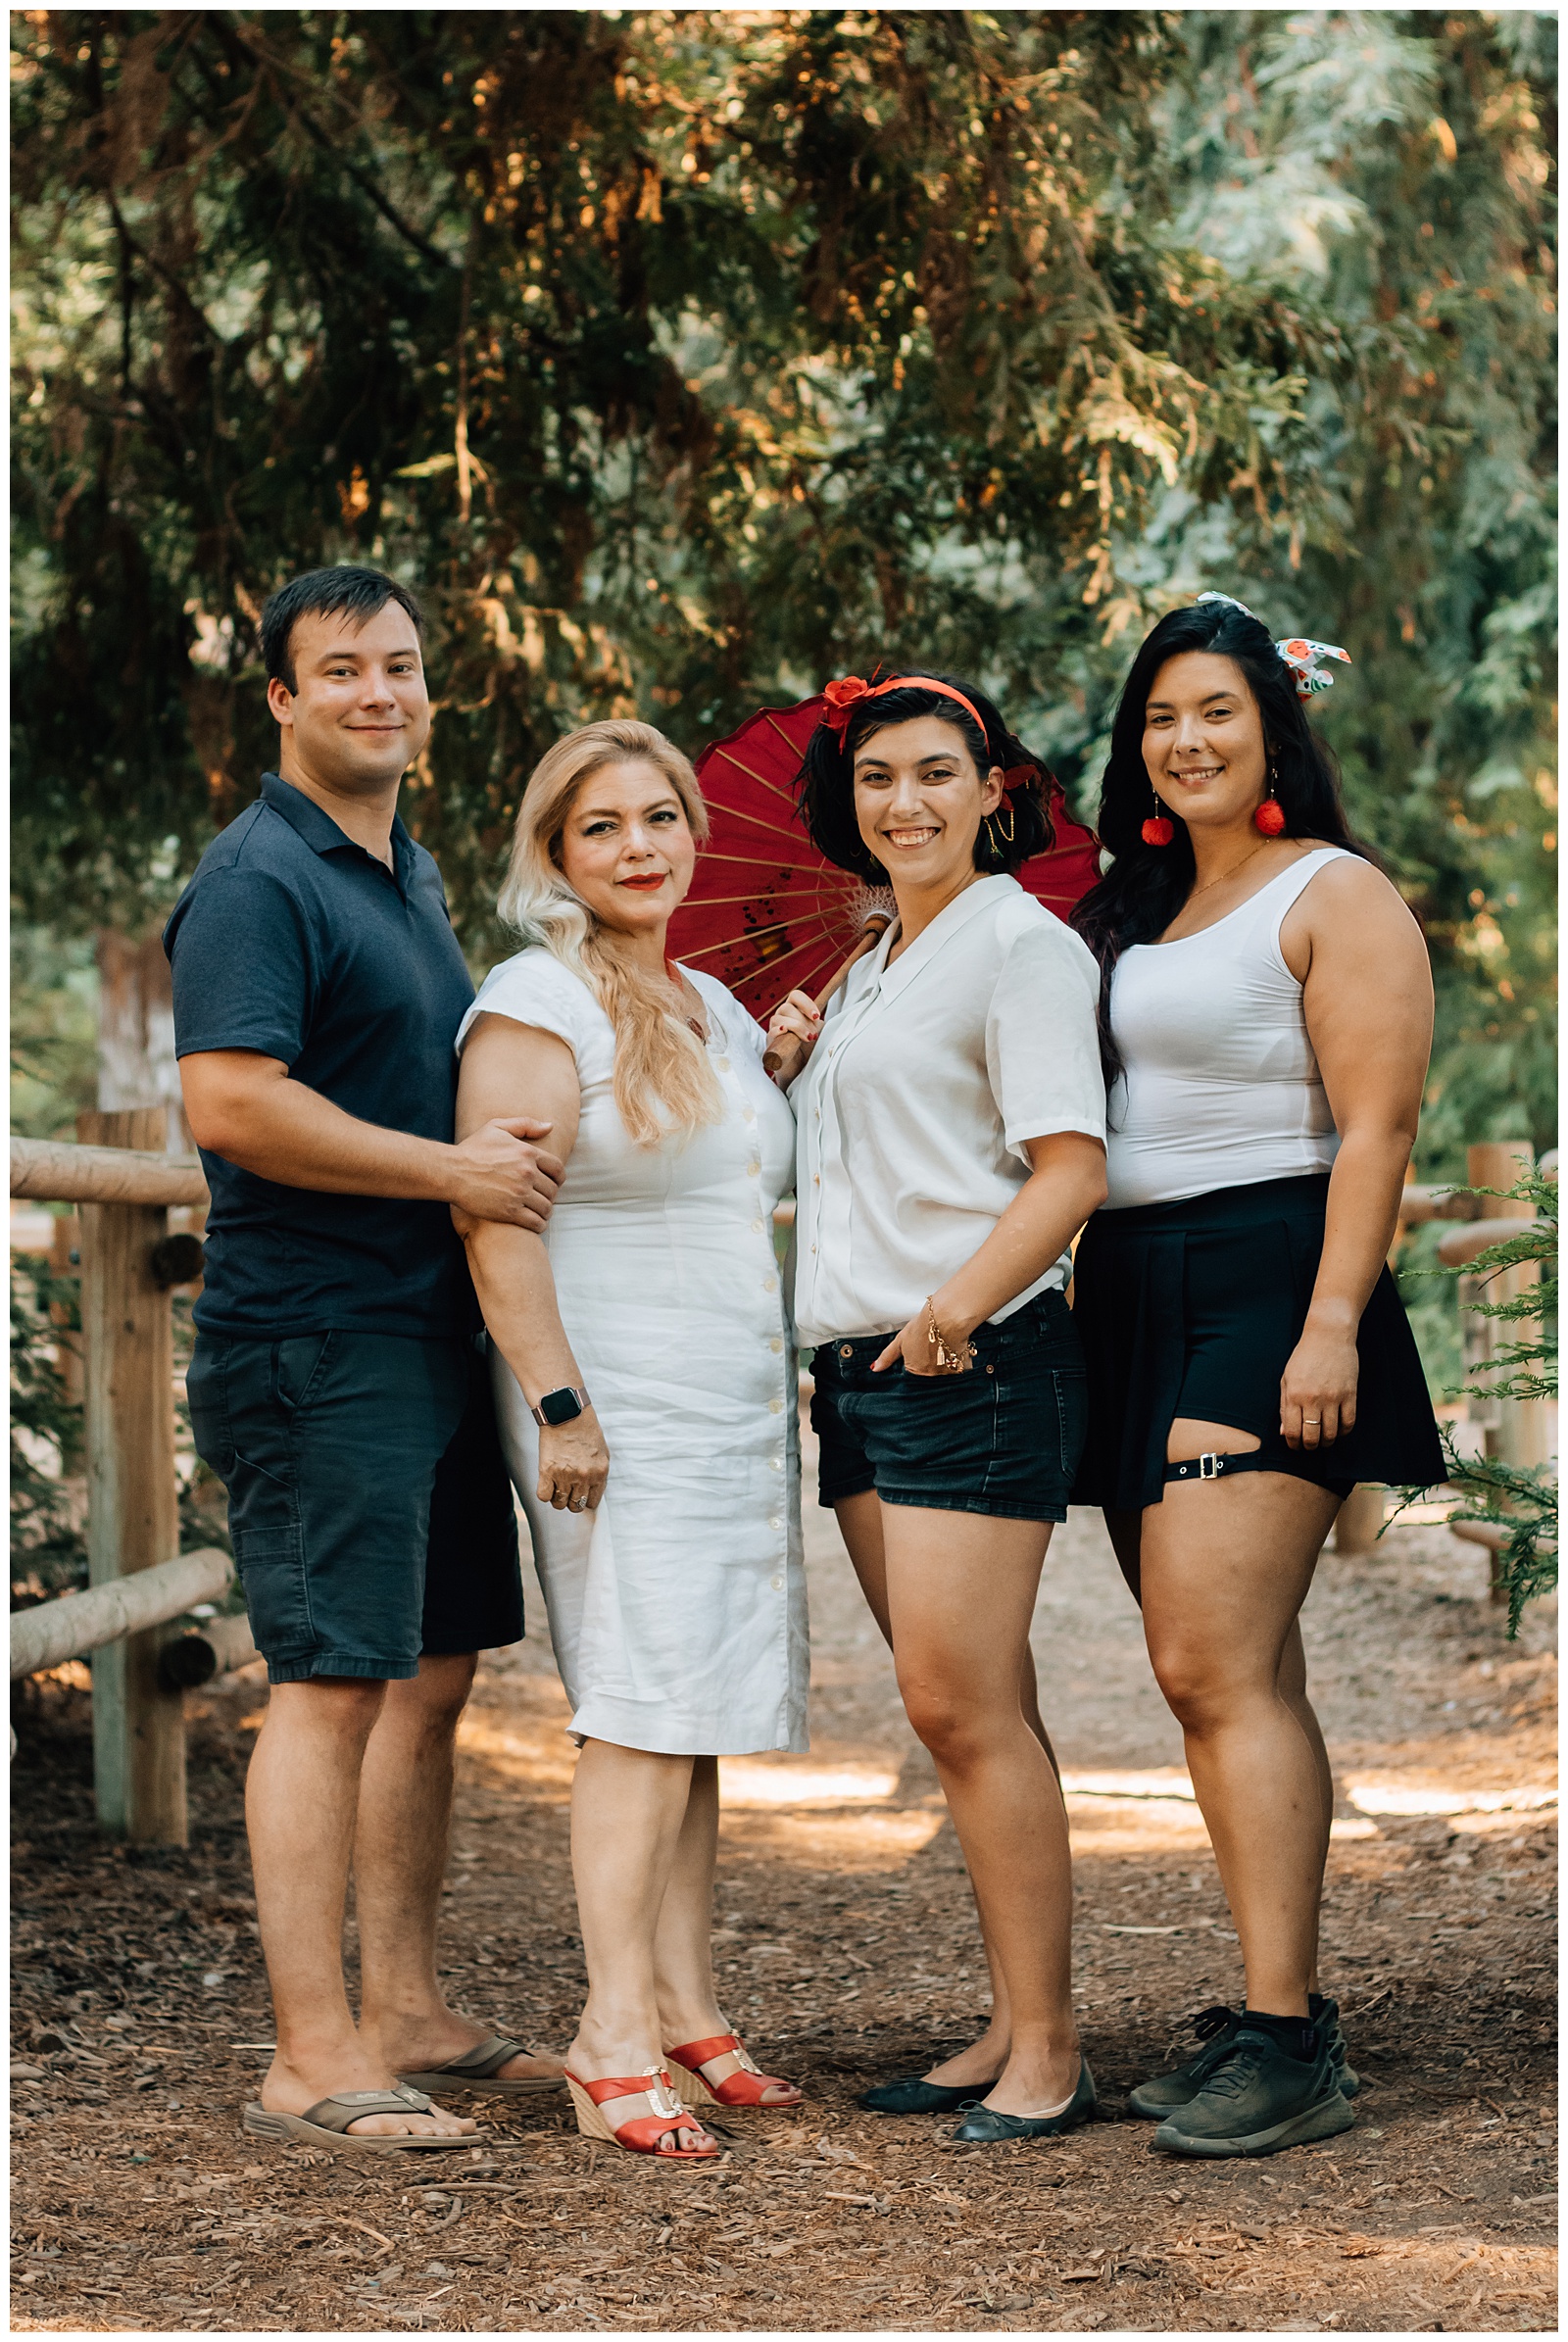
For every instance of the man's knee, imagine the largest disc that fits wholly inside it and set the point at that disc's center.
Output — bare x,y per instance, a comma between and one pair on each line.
347,1703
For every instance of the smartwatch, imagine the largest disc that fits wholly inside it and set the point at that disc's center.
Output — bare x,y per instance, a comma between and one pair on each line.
560,1407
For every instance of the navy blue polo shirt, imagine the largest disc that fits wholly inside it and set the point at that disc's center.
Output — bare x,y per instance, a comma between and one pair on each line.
294,941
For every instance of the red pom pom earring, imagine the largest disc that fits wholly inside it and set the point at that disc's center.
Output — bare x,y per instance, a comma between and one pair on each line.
1158,829
1269,820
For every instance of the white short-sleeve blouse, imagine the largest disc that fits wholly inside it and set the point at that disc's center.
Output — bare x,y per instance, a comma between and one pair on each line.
914,1111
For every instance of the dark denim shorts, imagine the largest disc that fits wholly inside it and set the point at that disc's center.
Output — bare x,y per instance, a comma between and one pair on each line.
1005,1437
368,1500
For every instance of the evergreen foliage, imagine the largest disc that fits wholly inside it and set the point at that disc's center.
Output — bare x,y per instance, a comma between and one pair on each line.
1523,1499
685,359
48,1549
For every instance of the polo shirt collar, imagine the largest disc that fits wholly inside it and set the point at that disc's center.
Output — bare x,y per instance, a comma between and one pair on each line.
889,981
322,834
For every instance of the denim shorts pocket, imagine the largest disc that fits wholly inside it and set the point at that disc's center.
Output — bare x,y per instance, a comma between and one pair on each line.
270,1563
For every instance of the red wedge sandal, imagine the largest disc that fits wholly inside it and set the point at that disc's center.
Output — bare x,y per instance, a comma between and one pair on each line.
642,2134
744,2088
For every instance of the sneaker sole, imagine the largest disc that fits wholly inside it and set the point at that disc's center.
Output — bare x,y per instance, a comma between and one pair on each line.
1324,2121
1138,2105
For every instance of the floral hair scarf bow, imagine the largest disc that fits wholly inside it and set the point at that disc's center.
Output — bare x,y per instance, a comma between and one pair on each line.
1299,652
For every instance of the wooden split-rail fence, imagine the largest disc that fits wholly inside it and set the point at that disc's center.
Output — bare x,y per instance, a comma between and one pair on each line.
124,1187
138,1581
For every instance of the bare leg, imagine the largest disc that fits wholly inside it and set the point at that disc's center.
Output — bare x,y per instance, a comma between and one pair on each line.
961,1592
300,1800
859,1521
683,1954
628,1811
1126,1531
400,1858
1292,1690
1225,1567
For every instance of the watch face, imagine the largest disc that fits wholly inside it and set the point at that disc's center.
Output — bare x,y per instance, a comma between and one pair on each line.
560,1407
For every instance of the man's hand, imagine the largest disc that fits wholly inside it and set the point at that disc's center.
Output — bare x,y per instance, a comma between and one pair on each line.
499,1171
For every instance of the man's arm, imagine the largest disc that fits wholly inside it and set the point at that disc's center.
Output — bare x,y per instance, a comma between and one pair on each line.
244,1106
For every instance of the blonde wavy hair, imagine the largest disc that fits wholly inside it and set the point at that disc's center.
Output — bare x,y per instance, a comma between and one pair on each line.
664,1084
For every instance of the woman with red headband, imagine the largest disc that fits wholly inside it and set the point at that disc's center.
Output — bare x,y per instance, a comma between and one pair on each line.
951,1145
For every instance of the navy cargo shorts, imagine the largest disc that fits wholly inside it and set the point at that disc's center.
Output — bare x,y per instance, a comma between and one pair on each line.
368,1500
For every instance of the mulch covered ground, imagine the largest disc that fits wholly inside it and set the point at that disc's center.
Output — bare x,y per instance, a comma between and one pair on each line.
849,1953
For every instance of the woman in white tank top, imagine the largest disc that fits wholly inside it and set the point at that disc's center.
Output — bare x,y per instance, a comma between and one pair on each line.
1266,1016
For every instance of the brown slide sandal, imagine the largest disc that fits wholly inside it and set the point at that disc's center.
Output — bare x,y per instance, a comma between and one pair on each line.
326,2123
477,2070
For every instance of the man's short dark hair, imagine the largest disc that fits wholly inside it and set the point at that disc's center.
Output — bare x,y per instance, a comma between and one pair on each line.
356,594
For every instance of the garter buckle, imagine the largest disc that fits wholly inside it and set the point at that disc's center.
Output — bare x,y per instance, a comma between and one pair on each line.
1208,1467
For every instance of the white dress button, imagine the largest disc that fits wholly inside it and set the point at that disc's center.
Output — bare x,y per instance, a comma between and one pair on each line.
776,1344
775,1463
754,1167
723,1063
775,1406
770,1284
757,1228
777,1584
775,1521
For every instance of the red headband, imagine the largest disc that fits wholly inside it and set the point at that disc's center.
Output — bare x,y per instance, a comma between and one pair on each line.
845,696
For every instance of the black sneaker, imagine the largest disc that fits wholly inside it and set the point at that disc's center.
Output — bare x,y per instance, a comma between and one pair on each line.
1258,2099
1216,2029
1325,2016
1154,2100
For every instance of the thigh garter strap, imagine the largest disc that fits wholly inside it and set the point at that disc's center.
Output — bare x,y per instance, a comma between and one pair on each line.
1219,1467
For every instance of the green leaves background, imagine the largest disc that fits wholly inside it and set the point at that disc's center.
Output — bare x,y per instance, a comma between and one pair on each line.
684,358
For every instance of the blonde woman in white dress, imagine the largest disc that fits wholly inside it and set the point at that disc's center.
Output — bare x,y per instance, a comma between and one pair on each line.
646,1386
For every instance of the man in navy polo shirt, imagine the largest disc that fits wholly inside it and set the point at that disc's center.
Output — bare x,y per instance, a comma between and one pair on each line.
338,1386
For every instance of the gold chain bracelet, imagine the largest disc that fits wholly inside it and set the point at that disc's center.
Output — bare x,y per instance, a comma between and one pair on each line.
951,1358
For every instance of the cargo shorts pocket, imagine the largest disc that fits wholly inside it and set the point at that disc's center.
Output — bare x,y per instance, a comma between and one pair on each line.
271,1562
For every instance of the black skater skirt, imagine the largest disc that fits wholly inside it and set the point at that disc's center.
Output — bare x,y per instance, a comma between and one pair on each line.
1192,1309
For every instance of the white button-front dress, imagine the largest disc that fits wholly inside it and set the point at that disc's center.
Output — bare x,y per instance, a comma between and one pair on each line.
677,1608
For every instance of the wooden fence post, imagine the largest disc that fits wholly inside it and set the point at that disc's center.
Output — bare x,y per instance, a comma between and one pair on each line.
1521,1431
139,1729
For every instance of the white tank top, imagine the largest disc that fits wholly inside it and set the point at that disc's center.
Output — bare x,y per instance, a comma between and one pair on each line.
1221,1088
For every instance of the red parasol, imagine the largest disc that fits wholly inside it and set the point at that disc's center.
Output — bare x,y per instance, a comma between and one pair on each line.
767,913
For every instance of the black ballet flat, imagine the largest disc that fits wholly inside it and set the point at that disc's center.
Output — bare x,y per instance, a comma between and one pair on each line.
984,2126
912,2094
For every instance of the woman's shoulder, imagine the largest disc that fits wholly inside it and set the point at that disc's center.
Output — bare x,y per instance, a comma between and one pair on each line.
533,987
1036,938
1341,892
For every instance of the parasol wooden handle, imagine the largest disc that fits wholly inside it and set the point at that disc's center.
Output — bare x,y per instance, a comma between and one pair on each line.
876,926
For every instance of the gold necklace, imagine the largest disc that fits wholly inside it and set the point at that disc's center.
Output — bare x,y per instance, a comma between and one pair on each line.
1224,875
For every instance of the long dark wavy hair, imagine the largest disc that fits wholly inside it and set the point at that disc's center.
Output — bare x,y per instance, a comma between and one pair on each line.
1146,886
826,786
